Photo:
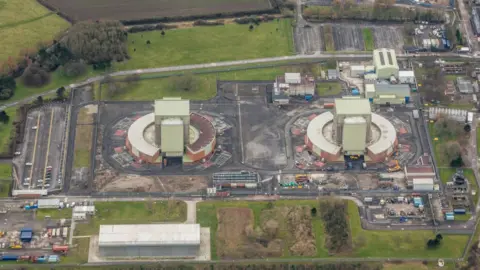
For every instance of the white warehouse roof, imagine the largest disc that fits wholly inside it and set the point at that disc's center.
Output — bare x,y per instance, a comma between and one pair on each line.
388,134
48,202
406,74
149,235
352,106
136,138
293,78
172,107
316,136
84,209
385,58
423,181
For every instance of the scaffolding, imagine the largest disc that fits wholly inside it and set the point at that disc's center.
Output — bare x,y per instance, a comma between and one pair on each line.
235,177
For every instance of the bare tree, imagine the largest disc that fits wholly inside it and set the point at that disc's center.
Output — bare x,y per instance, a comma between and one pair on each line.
452,150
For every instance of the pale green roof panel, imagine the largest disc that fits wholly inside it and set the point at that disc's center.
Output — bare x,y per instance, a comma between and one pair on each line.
172,107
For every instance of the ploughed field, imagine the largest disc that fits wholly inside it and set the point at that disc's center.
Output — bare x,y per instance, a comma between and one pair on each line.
144,9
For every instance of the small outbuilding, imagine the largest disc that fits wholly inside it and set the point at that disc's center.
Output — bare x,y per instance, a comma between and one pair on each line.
332,74
48,203
406,76
423,184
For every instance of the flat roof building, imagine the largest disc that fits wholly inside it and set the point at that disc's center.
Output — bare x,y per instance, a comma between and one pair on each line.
385,61
48,203
293,84
386,93
149,240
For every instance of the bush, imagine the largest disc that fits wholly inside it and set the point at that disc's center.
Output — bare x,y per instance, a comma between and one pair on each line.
7,87
97,42
74,69
208,23
35,76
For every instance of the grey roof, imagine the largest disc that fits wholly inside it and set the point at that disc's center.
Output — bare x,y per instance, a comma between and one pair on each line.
149,235
475,20
332,73
399,90
464,86
385,58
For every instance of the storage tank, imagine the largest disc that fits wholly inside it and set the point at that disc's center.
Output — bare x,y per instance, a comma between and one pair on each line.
9,257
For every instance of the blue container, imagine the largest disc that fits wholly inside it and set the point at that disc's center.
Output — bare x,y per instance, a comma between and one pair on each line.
459,211
355,92
9,257
26,230
41,259
308,97
407,100
26,236
449,218
27,207
417,201
35,206
370,99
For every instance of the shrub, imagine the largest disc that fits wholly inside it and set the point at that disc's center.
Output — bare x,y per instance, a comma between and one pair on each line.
35,76
7,86
74,69
208,23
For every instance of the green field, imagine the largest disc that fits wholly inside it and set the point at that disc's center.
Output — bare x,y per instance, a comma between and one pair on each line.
78,253
328,37
368,40
206,44
329,88
154,88
392,244
132,213
5,179
7,129
400,244
478,141
23,24
54,214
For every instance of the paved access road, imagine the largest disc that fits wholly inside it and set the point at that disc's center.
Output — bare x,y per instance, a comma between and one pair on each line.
317,55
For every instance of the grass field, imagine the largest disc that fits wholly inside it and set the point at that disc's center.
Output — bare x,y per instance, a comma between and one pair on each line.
208,44
400,244
53,213
478,141
83,138
392,244
328,37
7,129
368,39
78,253
329,88
154,88
133,213
5,179
25,23
140,9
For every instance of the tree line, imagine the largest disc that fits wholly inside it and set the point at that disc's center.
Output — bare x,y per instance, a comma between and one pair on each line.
334,216
87,43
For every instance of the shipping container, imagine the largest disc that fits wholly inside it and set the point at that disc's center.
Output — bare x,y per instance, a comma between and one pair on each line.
24,257
41,259
459,211
57,248
368,199
11,257
355,92
222,194
26,230
251,185
49,232
329,105
449,218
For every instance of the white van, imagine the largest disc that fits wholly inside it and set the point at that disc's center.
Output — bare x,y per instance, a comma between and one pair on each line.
34,127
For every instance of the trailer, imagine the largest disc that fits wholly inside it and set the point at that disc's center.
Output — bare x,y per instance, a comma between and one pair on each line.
58,248
9,257
459,211
416,115
65,231
469,117
329,105
53,259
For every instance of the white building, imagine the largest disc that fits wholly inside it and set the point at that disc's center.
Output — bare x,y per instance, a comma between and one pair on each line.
406,76
357,71
294,78
87,209
149,240
48,203
423,184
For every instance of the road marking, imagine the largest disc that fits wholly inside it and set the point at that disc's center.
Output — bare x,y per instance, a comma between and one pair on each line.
34,150
48,148
240,125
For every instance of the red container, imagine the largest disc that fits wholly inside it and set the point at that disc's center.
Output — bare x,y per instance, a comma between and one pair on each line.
56,248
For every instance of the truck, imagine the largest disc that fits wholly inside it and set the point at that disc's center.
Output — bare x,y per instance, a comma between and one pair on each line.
53,259
58,248
41,259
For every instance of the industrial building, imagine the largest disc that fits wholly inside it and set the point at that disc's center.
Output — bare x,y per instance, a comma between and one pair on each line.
385,62
171,132
236,179
423,184
384,93
357,71
332,74
48,203
149,240
406,76
464,86
352,129
292,84
418,172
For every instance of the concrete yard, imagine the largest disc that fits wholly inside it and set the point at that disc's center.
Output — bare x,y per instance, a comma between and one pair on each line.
43,147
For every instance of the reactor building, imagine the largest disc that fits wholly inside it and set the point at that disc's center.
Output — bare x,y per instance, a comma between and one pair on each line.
171,132
351,129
